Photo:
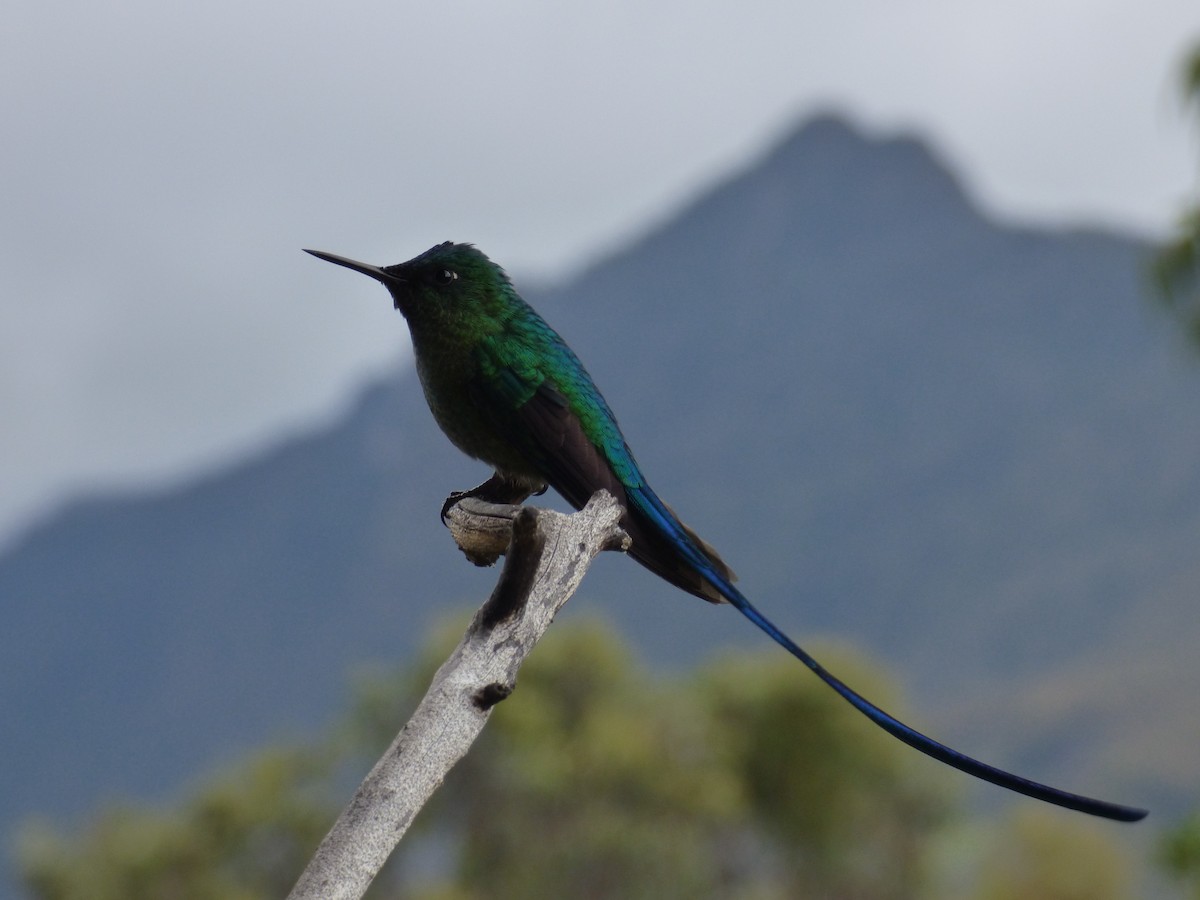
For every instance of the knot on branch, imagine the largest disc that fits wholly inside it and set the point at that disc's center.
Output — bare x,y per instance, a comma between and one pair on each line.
489,695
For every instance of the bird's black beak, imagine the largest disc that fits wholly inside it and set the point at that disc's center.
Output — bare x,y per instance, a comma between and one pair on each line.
366,268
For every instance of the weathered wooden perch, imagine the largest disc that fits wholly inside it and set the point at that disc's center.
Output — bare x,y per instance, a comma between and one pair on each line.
547,554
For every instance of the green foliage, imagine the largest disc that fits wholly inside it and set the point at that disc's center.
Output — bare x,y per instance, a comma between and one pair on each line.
1176,267
596,779
845,808
243,836
1054,856
746,779
598,776
1176,272
1179,854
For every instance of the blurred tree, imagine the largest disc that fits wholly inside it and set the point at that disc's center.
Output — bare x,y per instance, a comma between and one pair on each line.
598,781
1179,854
746,779
244,836
843,809
1053,855
1176,268
595,780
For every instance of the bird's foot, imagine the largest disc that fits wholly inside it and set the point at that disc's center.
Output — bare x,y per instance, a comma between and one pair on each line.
497,489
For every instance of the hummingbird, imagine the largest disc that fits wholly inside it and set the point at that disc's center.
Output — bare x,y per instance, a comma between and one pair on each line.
507,390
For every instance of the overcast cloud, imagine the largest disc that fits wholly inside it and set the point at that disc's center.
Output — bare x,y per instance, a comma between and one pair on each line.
163,164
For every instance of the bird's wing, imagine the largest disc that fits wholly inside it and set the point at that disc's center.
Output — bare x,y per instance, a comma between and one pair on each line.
524,405
579,449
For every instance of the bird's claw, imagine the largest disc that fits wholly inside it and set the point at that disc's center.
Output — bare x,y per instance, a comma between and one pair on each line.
454,497
496,489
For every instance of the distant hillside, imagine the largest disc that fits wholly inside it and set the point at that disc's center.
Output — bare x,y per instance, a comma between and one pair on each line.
966,446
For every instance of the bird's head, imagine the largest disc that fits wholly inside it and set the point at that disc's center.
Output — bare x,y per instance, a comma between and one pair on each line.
449,284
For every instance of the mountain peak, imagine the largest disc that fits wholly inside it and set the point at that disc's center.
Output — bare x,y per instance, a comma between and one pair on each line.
830,158
827,189
823,128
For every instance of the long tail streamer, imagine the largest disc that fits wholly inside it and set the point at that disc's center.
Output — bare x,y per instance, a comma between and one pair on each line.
928,745
649,504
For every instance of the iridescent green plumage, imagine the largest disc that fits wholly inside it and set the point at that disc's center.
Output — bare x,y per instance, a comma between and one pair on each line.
506,389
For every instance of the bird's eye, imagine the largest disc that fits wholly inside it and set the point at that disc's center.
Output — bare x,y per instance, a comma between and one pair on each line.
445,276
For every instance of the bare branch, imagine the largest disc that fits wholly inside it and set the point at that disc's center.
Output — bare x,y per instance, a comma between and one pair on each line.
548,554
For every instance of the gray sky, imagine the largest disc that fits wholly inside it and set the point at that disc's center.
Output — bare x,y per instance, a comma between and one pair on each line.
163,164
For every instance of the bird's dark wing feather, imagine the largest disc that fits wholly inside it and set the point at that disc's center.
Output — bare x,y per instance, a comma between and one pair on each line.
552,437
